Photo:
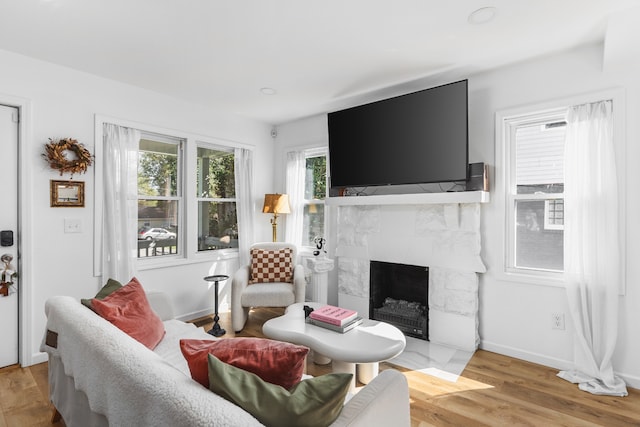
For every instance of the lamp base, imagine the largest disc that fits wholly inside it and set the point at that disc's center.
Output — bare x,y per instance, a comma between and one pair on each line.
274,227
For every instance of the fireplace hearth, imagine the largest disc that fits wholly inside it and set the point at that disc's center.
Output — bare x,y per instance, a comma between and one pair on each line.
399,296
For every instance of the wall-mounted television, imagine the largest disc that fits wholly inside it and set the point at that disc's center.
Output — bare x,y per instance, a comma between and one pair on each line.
421,137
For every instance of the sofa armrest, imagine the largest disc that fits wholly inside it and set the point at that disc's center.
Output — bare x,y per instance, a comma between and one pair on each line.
239,313
383,402
299,283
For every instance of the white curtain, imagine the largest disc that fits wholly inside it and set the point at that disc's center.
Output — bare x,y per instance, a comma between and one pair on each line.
120,202
244,202
592,248
296,166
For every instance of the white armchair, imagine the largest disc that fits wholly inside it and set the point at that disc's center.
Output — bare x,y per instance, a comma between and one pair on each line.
275,294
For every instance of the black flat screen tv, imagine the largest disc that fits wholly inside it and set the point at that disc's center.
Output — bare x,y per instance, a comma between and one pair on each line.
421,137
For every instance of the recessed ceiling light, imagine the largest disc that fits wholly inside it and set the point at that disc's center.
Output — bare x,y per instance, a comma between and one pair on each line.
268,91
482,15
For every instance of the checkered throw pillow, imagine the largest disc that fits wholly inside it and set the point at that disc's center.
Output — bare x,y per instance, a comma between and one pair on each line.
271,266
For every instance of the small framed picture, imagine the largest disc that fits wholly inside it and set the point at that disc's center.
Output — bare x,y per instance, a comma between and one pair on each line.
67,194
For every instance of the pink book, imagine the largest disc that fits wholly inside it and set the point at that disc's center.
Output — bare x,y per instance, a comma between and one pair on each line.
333,315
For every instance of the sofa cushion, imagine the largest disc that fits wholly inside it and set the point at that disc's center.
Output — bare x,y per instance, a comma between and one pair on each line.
268,266
312,402
108,289
276,362
129,310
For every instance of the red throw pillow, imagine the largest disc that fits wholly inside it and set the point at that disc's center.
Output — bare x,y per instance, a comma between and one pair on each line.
275,362
129,310
268,266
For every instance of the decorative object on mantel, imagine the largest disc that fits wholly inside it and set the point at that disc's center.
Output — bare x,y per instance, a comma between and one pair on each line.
276,204
67,155
320,250
67,194
7,275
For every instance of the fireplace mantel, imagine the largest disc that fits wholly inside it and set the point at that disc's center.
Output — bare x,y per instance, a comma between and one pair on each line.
411,199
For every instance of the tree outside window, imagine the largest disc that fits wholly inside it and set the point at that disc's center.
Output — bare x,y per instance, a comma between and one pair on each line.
159,197
217,216
315,190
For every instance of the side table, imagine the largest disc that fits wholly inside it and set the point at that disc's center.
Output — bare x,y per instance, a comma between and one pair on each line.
216,330
320,268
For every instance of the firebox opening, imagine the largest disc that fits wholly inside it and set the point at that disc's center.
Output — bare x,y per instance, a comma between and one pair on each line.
399,296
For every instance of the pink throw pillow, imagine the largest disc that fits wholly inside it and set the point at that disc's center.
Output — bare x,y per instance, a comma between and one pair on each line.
275,362
129,310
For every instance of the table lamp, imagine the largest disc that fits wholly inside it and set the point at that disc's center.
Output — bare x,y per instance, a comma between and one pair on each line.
276,204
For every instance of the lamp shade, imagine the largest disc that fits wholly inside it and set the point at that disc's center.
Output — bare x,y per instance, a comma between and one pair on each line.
276,204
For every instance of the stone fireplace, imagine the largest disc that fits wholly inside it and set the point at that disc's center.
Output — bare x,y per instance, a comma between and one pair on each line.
445,237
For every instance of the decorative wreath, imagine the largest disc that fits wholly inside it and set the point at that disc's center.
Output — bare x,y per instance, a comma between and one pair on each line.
56,155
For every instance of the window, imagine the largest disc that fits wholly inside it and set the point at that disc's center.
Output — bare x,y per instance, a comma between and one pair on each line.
534,144
160,201
315,190
159,196
216,196
180,204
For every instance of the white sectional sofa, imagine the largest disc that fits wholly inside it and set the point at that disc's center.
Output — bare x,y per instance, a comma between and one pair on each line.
99,376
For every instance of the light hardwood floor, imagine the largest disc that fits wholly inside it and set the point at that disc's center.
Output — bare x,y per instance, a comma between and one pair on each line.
493,390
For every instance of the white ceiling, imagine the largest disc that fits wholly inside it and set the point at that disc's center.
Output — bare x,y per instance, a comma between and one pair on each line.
318,55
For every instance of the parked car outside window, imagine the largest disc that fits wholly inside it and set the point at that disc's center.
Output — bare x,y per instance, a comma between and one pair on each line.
155,233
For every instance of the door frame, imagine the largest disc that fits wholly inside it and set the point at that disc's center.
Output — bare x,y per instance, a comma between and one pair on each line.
24,238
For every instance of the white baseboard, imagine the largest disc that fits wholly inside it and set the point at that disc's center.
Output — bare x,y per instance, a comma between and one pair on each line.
39,357
538,358
631,380
552,362
194,315
223,308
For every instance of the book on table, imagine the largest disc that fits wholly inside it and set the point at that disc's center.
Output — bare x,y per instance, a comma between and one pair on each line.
333,315
342,329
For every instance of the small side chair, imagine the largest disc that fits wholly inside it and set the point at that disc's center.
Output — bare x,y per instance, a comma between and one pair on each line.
273,279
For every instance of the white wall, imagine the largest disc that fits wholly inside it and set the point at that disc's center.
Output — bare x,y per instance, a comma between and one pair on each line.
515,318
62,104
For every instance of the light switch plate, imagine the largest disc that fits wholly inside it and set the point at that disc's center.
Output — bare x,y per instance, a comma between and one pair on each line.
72,225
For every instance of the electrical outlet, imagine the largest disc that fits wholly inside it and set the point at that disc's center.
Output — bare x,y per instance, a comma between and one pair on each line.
557,321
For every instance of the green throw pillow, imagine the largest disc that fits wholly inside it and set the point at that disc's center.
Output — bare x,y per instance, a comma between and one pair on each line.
314,402
108,289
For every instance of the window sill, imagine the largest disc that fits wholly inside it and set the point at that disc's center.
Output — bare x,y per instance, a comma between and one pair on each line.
555,280
177,261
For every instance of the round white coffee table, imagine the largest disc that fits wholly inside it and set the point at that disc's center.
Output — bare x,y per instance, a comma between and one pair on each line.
365,345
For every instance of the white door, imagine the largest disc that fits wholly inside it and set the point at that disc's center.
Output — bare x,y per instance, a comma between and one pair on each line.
8,226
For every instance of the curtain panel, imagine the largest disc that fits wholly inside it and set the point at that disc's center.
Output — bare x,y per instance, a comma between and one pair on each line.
296,165
244,202
592,247
120,207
